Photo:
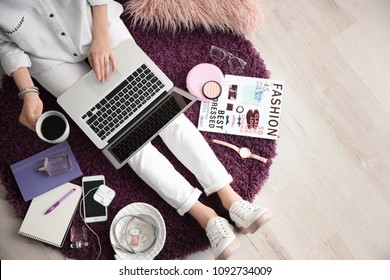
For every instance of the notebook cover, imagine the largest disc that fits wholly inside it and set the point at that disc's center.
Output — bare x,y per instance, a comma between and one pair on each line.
33,182
53,227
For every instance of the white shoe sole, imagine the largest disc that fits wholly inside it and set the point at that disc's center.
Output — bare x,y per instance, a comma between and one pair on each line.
229,250
259,222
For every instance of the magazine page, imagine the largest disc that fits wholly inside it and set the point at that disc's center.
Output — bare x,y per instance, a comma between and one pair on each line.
247,106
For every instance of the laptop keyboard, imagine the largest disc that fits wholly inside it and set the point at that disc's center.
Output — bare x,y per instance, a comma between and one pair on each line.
148,127
123,101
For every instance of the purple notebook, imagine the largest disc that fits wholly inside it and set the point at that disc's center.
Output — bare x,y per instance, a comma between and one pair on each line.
33,182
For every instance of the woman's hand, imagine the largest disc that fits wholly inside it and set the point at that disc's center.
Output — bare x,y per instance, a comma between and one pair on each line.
32,104
31,111
101,58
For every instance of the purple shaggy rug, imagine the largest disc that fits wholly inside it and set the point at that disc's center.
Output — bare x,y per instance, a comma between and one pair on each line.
175,54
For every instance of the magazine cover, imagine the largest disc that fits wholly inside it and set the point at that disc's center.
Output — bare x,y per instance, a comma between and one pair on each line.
247,106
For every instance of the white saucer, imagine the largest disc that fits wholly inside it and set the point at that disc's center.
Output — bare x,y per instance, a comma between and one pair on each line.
137,209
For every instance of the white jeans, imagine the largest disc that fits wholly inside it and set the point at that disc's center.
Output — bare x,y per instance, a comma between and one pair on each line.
181,137
188,145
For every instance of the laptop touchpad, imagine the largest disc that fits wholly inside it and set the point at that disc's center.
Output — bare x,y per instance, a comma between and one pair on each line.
100,88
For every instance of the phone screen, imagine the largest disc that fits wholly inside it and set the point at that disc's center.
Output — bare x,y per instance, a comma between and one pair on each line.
92,207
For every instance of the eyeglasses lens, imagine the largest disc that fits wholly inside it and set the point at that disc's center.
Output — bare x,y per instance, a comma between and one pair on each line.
236,63
217,54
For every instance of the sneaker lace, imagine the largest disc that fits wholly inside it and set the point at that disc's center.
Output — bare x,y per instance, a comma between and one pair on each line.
244,209
216,233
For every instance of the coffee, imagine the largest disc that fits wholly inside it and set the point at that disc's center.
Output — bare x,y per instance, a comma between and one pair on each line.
53,127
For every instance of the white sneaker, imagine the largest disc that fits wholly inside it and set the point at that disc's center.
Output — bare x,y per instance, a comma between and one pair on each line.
222,238
248,217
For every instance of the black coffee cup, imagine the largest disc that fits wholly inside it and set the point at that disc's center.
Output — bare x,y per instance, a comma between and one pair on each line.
52,127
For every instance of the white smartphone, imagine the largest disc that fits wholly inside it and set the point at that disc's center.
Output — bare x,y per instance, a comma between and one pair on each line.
93,210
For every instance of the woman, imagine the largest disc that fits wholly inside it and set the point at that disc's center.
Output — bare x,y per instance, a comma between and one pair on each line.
50,41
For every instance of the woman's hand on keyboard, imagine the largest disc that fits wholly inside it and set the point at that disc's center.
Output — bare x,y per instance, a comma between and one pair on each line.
102,59
100,56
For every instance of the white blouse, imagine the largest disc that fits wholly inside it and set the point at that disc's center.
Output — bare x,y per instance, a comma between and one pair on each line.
41,34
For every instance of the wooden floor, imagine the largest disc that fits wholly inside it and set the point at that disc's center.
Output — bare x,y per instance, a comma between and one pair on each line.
329,185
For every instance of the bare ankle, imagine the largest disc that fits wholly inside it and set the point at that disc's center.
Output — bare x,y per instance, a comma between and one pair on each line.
202,213
228,195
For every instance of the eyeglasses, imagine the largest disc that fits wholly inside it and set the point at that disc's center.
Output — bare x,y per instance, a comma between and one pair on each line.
218,54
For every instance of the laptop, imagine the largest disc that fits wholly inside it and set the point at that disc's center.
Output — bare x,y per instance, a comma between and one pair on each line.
128,110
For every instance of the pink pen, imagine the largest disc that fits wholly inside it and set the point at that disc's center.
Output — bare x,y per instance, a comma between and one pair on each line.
54,206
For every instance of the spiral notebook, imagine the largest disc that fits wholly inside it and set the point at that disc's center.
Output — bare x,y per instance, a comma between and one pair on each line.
53,227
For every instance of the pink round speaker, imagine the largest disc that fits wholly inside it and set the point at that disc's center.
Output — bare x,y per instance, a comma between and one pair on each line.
200,75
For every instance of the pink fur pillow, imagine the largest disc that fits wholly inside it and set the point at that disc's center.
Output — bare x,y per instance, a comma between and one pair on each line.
238,16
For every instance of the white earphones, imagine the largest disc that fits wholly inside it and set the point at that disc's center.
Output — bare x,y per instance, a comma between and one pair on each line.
104,195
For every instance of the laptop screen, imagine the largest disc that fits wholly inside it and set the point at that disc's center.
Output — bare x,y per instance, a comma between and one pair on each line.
149,126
